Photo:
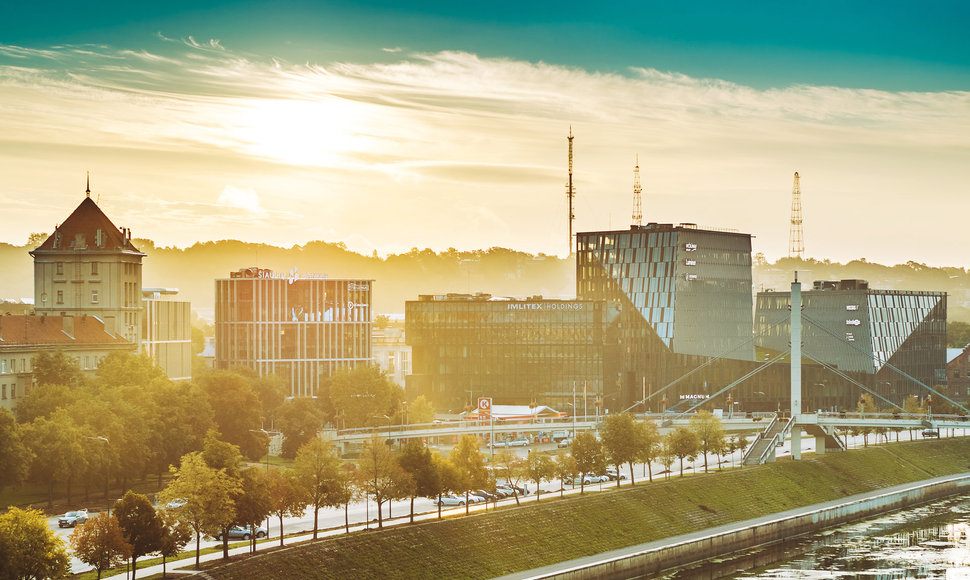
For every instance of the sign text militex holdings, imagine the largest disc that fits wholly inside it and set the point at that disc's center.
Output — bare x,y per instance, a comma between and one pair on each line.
546,306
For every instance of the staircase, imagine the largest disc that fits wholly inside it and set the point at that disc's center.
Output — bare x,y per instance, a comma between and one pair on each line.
832,440
762,450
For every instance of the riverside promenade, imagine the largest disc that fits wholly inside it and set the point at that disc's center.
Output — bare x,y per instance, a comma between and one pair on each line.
653,557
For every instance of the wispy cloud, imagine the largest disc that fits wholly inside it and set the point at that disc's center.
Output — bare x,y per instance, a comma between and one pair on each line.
449,128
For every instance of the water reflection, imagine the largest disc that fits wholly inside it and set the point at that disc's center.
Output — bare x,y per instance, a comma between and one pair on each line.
931,541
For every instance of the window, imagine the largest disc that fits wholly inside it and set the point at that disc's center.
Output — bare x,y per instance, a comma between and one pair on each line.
94,297
59,268
60,297
94,267
3,393
13,391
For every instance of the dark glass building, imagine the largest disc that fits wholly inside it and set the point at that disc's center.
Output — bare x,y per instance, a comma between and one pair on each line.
515,351
684,295
864,332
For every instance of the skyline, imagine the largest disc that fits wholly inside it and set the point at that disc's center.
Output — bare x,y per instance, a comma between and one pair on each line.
389,126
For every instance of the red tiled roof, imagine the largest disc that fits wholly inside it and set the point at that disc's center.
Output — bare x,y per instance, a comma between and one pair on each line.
80,232
35,330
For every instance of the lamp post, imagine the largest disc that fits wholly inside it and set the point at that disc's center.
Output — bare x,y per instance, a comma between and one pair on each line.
104,452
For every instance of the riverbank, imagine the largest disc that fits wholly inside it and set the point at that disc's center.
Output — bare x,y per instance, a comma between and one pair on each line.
555,530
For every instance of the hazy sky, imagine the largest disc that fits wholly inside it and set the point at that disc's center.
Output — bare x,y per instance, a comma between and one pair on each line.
392,125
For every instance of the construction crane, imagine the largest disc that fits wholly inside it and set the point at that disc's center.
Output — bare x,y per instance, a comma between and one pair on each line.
796,237
637,190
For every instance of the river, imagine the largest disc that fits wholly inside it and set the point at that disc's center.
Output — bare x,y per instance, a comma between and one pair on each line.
929,541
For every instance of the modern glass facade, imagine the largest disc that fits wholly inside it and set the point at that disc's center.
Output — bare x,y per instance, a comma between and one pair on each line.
301,328
870,332
515,351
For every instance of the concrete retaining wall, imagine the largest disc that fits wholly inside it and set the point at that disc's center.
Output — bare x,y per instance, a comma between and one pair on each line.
651,558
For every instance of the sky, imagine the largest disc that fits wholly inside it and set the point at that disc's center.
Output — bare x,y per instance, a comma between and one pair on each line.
393,125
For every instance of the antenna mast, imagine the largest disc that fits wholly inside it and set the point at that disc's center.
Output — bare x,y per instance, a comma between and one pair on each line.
796,237
637,190
570,191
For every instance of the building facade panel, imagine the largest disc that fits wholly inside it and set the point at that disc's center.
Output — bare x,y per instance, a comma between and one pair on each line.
301,328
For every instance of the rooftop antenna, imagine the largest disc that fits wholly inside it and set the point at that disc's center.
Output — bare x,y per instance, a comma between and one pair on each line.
570,191
637,214
796,237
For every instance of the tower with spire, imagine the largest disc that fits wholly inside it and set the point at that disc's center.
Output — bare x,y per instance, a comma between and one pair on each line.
570,191
637,190
89,267
796,237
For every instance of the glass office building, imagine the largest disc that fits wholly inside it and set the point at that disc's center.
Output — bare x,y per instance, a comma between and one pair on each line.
515,351
301,328
873,334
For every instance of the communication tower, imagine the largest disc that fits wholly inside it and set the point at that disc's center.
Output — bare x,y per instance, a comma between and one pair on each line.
796,237
570,191
637,190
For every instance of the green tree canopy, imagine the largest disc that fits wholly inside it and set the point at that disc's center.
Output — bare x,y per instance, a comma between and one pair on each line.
710,433
379,474
363,395
56,368
100,543
129,369
254,503
299,420
469,464
415,459
588,452
236,409
540,467
28,547
317,470
140,525
620,440
286,498
15,458
420,411
683,444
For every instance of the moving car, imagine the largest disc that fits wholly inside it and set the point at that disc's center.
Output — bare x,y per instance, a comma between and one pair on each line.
71,519
241,533
931,433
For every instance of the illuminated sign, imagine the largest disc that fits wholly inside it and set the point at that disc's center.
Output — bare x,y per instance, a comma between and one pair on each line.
545,306
690,247
851,306
853,322
691,276
689,262
693,397
359,287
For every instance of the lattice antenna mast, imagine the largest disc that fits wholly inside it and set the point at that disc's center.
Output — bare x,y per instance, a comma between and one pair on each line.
570,191
796,237
637,190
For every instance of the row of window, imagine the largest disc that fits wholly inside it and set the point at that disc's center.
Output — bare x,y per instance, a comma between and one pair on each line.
3,391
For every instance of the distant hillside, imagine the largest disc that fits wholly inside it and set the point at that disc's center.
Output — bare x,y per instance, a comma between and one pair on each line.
497,271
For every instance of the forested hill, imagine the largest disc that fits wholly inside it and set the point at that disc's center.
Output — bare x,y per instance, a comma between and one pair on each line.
497,271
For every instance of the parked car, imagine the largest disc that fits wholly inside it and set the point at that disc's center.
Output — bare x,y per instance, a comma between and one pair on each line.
612,474
517,443
931,433
241,533
487,495
451,500
71,519
503,491
589,479
175,503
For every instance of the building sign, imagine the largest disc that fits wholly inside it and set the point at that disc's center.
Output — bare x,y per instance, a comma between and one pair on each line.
691,276
484,406
354,286
689,247
851,306
854,322
693,397
546,306
689,262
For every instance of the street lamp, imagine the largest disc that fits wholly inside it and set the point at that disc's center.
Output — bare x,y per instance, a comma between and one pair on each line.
104,452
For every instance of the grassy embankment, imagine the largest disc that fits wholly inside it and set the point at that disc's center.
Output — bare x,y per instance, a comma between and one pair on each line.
555,530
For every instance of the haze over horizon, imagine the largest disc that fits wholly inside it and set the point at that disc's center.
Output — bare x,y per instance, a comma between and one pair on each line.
389,126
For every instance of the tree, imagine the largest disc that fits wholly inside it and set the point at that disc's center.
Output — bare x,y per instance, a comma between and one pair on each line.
510,466
448,477
421,411
648,450
43,399
469,464
683,444
206,497
100,543
56,368
236,410
620,440
957,334
174,537
565,469
666,455
55,444
15,459
379,474
253,504
125,369
285,496
710,433
221,454
299,421
588,452
362,394
140,525
318,472
539,467
188,418
415,459
28,548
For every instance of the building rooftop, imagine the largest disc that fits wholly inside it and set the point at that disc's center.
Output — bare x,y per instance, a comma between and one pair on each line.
87,228
25,330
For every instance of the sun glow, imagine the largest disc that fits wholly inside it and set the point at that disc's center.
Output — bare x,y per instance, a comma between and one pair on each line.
300,132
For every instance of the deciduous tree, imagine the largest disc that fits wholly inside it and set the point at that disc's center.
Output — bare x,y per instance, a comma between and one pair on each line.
253,505
620,440
317,470
28,548
236,410
415,459
710,433
100,543
539,467
175,535
649,447
140,525
362,394
299,420
420,411
683,444
379,474
470,465
56,368
14,458
285,496
508,465
588,452
565,469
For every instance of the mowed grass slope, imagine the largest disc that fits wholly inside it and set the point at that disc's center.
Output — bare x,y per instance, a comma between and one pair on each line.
520,538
